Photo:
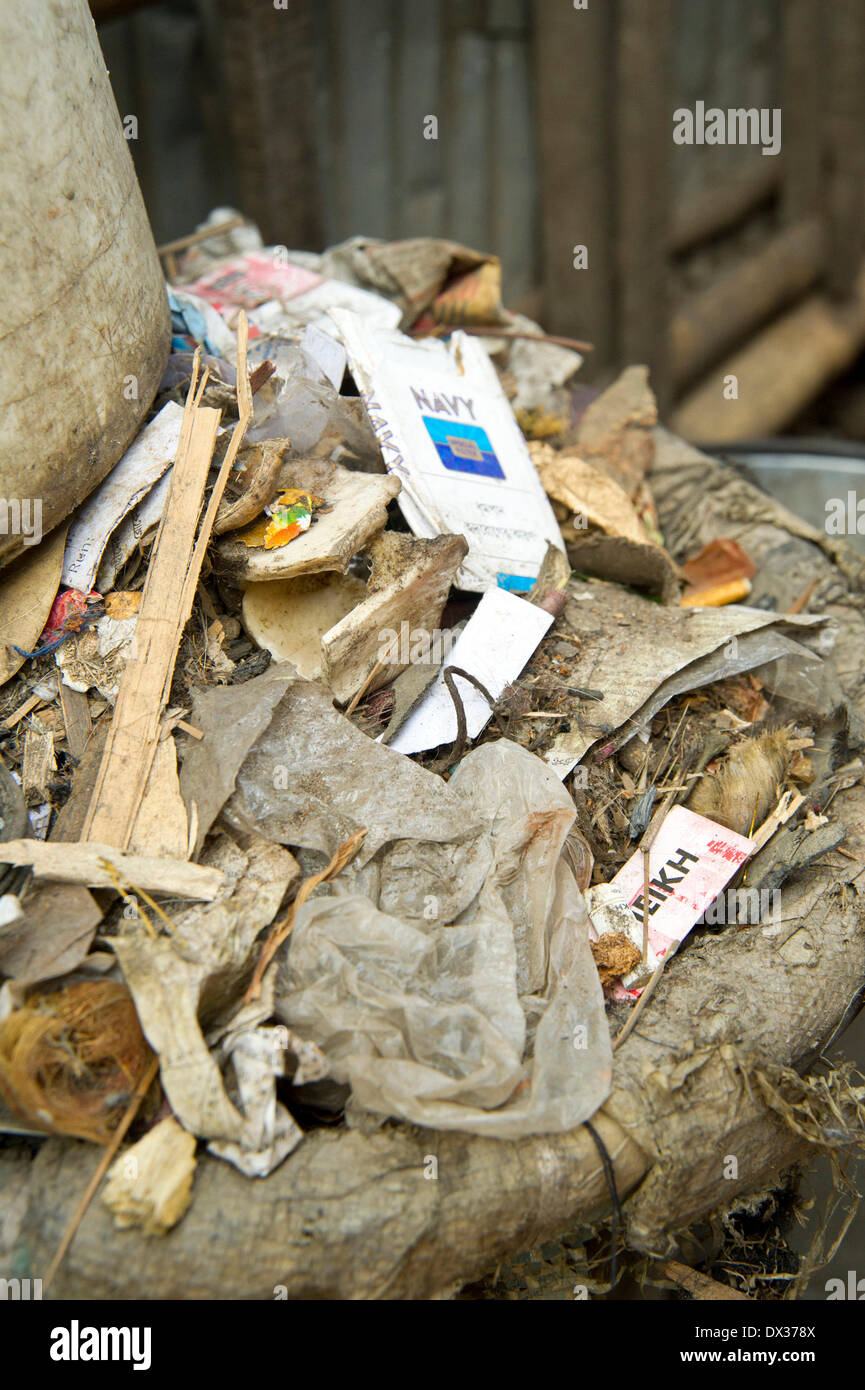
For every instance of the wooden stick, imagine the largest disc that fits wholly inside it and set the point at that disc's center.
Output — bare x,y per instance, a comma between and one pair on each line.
244,415
798,604
101,866
169,592
134,732
190,729
76,717
22,711
644,997
204,234
358,696
699,1285
102,1167
575,344
787,806
280,930
646,876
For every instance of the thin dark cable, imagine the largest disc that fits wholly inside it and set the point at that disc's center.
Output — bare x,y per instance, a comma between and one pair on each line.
618,1218
462,732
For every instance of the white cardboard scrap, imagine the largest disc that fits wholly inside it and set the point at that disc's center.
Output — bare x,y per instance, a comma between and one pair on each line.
691,862
446,427
145,461
494,646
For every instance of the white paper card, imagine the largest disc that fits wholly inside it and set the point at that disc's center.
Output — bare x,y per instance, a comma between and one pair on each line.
690,863
494,646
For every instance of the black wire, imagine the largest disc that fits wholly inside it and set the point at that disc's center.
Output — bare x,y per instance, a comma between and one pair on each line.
618,1218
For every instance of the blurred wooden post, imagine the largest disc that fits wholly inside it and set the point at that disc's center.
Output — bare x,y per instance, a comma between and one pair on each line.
645,145
269,64
803,49
845,127
573,53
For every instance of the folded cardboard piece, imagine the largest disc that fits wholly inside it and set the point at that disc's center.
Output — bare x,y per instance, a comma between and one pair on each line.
446,428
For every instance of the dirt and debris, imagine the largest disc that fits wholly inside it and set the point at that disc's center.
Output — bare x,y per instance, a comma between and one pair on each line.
334,722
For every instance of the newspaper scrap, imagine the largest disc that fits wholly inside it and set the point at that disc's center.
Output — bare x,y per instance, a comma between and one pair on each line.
122,542
446,427
494,646
149,456
690,863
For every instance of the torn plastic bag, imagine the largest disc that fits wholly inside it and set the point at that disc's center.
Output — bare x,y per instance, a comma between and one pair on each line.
768,645
312,779
296,403
494,1025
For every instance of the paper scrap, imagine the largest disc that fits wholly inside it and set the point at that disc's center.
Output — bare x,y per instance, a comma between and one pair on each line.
281,296
122,541
144,462
494,646
446,428
690,863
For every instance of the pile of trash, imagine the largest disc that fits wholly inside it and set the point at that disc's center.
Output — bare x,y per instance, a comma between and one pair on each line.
364,753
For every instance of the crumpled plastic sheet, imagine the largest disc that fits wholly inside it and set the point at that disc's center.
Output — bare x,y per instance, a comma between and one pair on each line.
312,779
491,1022
766,646
299,407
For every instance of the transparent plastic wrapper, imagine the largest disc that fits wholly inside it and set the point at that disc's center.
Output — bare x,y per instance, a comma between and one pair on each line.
296,403
447,977
493,1024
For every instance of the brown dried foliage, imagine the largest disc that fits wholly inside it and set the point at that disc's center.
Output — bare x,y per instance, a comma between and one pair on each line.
70,1060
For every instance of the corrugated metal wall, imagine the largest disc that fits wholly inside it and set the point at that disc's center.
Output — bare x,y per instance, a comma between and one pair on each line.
387,65
380,69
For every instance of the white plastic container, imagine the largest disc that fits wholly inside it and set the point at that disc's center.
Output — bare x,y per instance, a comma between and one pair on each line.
84,324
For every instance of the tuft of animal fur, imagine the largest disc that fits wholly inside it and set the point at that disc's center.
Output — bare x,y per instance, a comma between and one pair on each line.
746,786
